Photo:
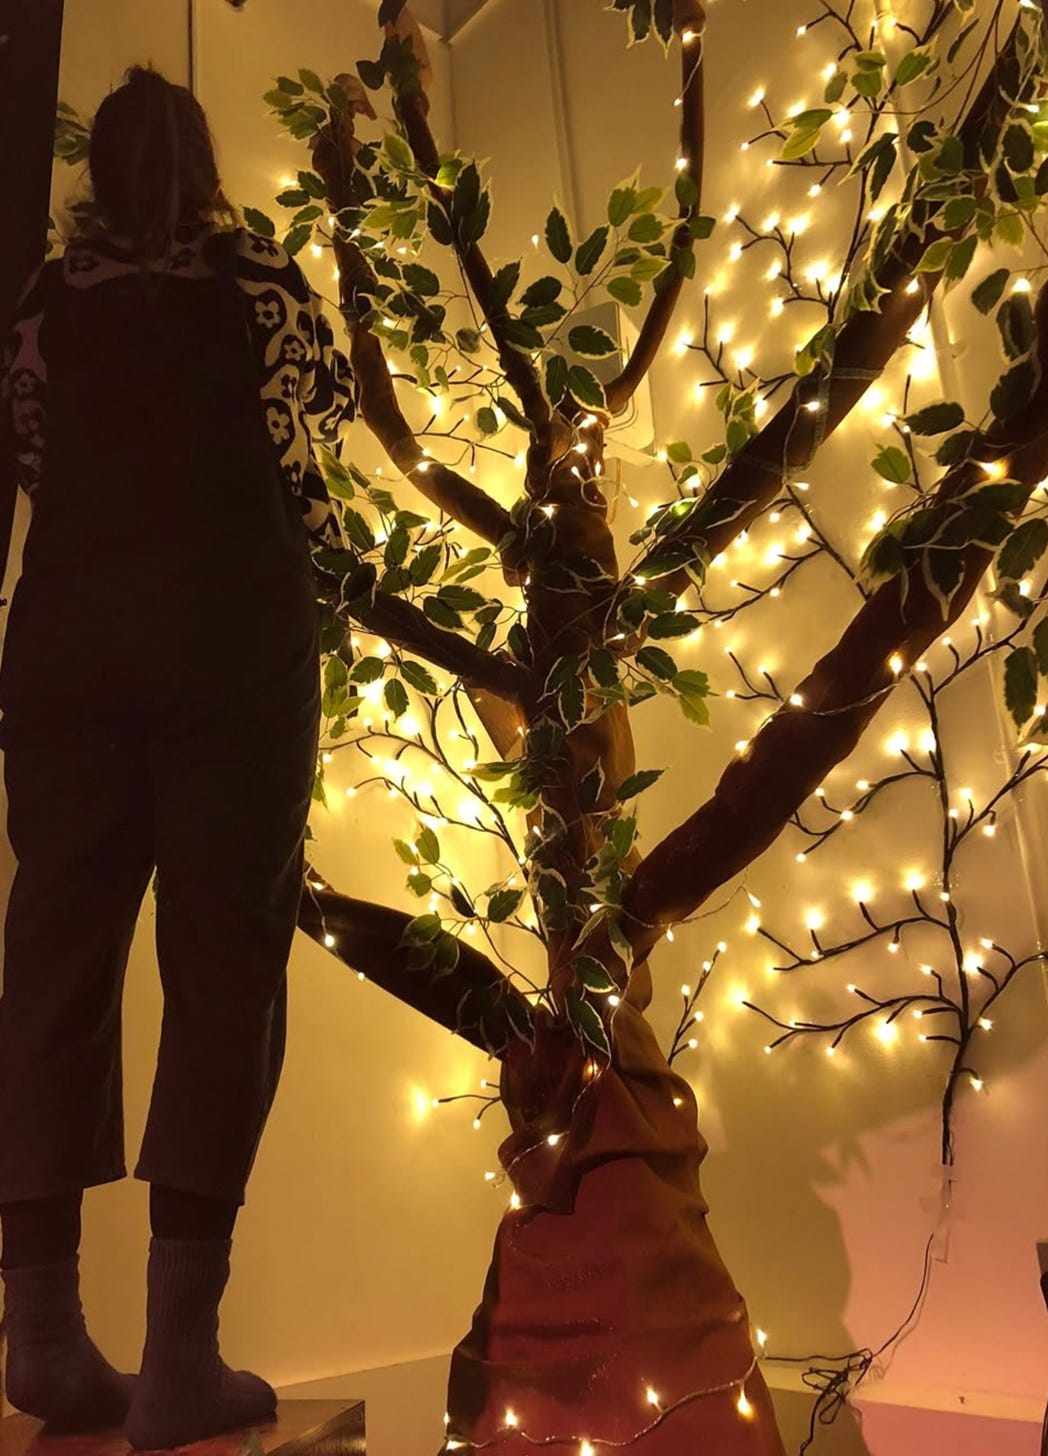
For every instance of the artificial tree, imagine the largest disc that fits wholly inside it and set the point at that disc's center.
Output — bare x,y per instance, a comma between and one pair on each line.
608,1319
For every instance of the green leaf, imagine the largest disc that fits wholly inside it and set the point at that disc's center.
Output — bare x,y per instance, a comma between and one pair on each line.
589,253
422,928
620,205
571,701
468,340
893,464
586,387
439,226
293,197
487,420
1023,549
542,291
297,239
259,223
960,260
358,530
958,213
591,974
505,282
638,782
396,697
473,227
647,199
687,191
936,256
673,624
420,678
311,81
702,227
1015,321
1009,229
1013,391
625,291
586,1021
407,854
912,65
556,378
989,291
657,662
428,846
679,451
1040,645
1018,147
804,138
693,688
465,197
648,228
312,185
522,335
292,88
957,448
934,419
591,342
1020,684
423,280
558,237
503,904
835,87
372,73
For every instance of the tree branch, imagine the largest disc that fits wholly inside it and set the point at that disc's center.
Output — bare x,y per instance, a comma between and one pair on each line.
798,746
475,1000
864,346
689,18
413,111
404,625
380,409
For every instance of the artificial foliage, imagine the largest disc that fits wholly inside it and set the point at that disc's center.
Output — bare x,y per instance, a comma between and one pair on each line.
484,660
541,671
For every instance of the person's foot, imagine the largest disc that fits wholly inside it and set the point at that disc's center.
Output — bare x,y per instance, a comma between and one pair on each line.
186,1392
54,1370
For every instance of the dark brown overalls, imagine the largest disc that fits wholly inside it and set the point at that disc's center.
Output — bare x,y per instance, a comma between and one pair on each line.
160,704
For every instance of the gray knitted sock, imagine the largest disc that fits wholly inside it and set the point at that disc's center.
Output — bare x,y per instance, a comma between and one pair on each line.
185,1392
55,1372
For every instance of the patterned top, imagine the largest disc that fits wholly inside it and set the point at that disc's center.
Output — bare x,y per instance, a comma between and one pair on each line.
305,383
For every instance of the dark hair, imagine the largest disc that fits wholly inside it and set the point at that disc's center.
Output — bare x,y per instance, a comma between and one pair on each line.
152,162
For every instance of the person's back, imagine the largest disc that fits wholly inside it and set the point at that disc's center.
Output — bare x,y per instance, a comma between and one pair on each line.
160,695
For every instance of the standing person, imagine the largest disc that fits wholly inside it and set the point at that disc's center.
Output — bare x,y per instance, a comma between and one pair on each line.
160,695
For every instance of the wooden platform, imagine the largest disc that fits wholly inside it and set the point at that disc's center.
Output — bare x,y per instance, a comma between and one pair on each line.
302,1428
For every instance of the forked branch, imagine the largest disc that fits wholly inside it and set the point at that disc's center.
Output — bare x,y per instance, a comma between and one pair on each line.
404,625
823,400
380,409
474,999
797,747
413,110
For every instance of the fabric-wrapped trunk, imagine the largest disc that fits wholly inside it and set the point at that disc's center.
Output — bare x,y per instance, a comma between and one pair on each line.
608,1319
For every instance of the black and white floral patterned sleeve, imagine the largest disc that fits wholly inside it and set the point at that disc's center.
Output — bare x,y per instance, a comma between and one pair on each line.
307,384
23,385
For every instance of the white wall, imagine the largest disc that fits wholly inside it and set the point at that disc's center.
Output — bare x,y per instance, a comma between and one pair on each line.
823,1176
367,1233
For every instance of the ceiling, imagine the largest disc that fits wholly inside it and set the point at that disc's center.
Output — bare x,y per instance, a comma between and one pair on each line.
457,12
446,17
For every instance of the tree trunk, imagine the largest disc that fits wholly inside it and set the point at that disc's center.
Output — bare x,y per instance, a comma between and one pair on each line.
606,1291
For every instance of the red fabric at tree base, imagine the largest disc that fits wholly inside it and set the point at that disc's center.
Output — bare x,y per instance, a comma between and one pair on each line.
606,1283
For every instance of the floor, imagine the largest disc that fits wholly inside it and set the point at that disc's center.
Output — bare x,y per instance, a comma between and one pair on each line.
405,1407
